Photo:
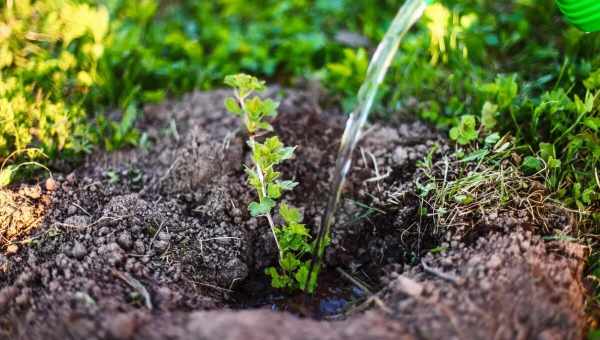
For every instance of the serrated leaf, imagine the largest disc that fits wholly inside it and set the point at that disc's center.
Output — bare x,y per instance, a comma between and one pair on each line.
273,143
587,195
289,263
270,108
286,153
273,190
232,106
244,83
262,208
287,185
264,126
298,229
277,281
465,132
254,109
289,214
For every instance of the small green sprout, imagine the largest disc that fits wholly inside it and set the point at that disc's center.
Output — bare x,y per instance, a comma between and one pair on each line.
292,237
465,132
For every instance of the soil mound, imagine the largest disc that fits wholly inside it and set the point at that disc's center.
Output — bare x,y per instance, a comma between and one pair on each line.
157,243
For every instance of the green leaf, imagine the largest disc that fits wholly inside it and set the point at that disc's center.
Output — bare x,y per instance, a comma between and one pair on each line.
287,185
273,143
488,115
465,132
273,190
254,109
587,195
547,151
476,155
232,106
492,139
253,179
244,83
593,123
463,199
277,281
264,126
286,153
554,163
289,262
593,81
128,120
302,276
289,214
6,175
454,133
262,208
531,165
297,229
269,108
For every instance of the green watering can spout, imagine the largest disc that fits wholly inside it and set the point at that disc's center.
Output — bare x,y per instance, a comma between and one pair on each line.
584,14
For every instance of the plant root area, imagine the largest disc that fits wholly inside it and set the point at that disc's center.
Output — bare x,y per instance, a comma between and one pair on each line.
157,243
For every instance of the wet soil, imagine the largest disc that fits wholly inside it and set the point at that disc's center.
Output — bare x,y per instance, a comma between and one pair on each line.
156,243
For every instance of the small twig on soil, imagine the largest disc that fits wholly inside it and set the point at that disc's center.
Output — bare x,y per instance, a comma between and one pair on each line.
211,286
446,276
135,284
166,174
85,211
102,218
156,234
228,137
378,176
99,183
355,281
373,299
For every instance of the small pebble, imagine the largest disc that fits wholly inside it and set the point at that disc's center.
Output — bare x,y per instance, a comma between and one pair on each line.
125,240
12,249
78,251
164,236
161,246
51,184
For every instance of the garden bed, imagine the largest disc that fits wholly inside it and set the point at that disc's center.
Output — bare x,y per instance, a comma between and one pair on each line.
156,243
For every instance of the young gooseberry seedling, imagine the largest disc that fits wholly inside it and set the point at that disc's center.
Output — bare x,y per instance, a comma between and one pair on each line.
292,238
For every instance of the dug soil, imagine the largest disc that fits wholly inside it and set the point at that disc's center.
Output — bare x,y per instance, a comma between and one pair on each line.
156,243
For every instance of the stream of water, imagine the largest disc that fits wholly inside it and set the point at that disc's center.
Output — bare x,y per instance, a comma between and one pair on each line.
408,14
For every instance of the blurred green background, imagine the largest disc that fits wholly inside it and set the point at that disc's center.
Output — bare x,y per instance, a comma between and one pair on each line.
65,64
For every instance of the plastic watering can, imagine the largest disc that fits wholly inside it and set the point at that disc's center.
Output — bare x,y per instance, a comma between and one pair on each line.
583,14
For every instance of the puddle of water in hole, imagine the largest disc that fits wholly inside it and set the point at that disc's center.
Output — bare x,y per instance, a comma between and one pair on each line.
331,299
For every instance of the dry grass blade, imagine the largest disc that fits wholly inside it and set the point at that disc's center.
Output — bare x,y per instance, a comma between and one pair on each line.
135,284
